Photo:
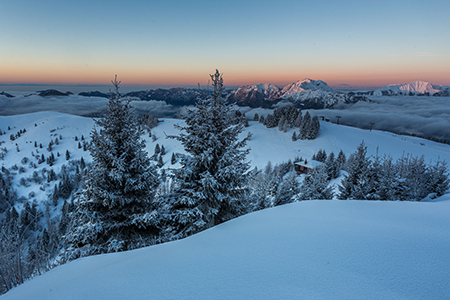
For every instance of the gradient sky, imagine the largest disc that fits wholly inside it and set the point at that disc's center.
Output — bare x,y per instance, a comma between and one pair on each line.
179,42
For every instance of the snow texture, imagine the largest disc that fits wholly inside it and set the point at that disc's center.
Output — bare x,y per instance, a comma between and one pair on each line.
306,250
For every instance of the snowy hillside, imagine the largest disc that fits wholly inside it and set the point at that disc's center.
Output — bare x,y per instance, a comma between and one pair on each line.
266,144
317,249
306,250
414,88
270,144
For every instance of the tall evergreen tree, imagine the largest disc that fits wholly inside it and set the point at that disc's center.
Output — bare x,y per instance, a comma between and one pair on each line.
353,184
315,185
287,189
212,180
304,127
114,210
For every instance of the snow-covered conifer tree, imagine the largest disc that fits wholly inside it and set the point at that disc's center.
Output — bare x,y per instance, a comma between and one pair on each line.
304,127
114,210
315,185
354,181
439,181
212,180
288,189
313,128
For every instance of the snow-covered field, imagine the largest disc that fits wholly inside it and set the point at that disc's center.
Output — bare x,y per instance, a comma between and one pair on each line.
266,144
306,250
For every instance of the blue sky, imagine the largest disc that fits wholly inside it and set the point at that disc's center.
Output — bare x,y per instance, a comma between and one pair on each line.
359,43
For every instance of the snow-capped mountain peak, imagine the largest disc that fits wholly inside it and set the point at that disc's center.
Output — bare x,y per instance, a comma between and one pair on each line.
415,87
305,84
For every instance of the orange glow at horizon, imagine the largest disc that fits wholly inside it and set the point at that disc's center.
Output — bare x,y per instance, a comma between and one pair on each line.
75,75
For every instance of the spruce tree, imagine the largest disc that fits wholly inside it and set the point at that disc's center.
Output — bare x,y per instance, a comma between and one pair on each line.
212,181
315,185
355,182
287,189
304,127
114,210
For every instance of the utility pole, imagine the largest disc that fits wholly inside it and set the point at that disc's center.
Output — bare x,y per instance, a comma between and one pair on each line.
338,117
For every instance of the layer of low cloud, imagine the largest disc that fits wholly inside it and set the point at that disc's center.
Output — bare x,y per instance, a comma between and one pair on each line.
424,116
77,105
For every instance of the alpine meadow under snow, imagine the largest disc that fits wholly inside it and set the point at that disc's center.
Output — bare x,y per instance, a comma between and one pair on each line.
220,199
306,250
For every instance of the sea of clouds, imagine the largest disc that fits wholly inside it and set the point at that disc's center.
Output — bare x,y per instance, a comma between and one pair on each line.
423,116
76,105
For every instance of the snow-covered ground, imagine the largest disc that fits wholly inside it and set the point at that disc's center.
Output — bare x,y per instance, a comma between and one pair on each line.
306,250
270,144
266,144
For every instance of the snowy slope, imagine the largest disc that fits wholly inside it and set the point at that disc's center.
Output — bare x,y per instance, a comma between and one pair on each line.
415,87
41,128
305,250
270,144
266,144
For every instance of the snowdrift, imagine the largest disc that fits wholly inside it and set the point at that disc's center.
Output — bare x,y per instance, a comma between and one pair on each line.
305,250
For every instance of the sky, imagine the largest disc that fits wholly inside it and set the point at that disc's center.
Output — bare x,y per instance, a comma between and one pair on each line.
179,43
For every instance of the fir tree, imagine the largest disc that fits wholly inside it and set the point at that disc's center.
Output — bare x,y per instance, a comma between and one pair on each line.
304,127
354,183
160,161
298,120
262,120
287,189
212,181
439,181
294,136
315,185
314,128
115,208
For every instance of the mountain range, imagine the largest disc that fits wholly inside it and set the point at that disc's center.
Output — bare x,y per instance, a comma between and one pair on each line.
411,89
306,94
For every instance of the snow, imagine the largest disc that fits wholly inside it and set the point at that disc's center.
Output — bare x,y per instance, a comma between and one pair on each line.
415,87
42,127
305,84
302,90
306,250
309,250
265,144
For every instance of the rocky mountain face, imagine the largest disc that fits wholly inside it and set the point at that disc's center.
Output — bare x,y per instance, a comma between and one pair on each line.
305,93
414,88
